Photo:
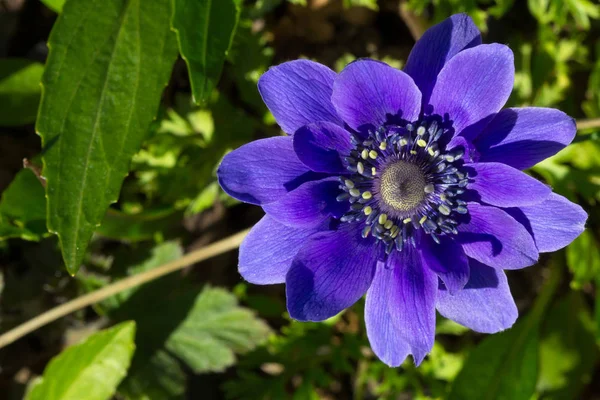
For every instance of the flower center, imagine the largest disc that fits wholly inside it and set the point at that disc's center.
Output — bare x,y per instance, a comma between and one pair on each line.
402,186
403,181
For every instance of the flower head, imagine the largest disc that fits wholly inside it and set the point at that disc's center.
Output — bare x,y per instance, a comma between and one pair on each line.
404,185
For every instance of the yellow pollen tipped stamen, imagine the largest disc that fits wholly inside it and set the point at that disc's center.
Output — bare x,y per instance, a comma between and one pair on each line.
394,231
373,171
413,152
367,195
349,183
383,146
421,143
444,209
429,188
443,197
423,219
382,219
368,210
406,220
421,130
360,167
431,151
373,154
388,224
403,142
365,154
354,192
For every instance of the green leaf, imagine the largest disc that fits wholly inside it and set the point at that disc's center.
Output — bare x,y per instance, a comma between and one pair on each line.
371,4
23,208
505,365
583,258
567,349
216,328
597,311
448,327
128,263
502,366
101,90
20,91
137,227
90,370
159,255
205,199
205,330
205,30
55,5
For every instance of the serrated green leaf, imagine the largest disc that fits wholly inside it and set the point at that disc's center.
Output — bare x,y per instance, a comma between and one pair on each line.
23,208
583,259
205,330
216,328
90,370
55,5
109,61
205,31
20,91
567,349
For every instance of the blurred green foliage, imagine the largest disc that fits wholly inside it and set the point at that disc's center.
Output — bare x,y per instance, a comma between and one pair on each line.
230,338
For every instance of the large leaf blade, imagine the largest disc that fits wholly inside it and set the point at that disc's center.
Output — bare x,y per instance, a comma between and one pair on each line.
108,63
505,365
90,370
205,31
567,349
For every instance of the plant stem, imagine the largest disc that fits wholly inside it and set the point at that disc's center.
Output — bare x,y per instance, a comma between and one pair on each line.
588,123
195,256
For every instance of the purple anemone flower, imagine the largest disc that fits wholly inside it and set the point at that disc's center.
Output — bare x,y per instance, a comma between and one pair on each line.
404,185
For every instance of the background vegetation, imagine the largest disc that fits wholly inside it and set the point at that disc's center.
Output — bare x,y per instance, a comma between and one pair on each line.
141,99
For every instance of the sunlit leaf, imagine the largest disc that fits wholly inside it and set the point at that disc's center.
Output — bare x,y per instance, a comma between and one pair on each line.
583,258
55,5
215,329
205,30
101,90
205,199
371,4
20,91
90,370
